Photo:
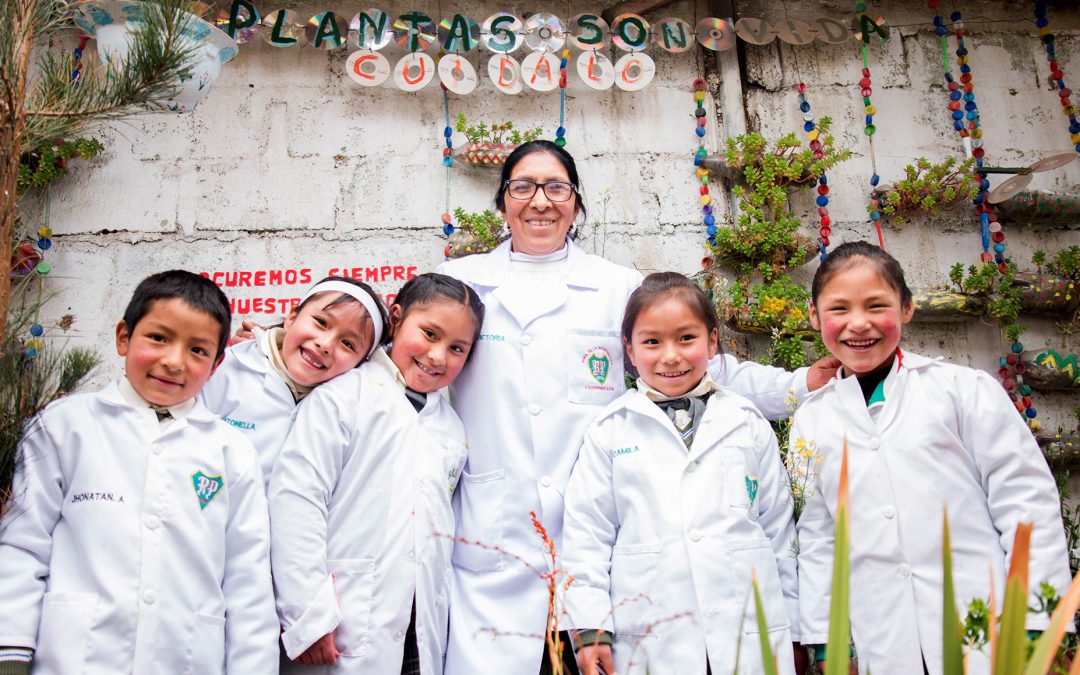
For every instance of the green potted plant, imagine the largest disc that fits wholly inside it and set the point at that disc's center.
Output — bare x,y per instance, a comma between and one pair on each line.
490,145
477,232
929,187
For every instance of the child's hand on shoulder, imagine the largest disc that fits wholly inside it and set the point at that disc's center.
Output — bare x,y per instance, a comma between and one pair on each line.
323,652
591,656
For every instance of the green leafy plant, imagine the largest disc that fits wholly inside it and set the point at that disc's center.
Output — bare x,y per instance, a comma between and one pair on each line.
930,187
1066,263
484,225
49,161
503,133
1003,296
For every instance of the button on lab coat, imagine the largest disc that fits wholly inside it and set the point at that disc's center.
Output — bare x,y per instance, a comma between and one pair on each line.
947,436
133,549
249,394
358,495
548,360
655,531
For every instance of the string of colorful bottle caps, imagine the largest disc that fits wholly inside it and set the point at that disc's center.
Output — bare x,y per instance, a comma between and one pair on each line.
704,199
1057,75
822,200
560,133
448,161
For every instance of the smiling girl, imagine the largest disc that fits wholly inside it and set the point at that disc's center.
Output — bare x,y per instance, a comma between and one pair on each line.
362,492
337,326
677,497
923,436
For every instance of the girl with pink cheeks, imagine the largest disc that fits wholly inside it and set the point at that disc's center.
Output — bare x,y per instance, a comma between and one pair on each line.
923,436
336,327
361,494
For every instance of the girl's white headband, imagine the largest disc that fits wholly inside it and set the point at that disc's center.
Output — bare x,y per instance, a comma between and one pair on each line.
362,296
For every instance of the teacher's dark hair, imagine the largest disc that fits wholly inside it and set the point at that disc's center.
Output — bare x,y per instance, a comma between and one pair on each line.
524,150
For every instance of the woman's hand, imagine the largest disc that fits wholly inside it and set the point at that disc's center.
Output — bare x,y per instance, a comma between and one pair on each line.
322,653
591,656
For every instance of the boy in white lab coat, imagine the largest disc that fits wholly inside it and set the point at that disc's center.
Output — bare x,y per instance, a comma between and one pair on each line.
138,537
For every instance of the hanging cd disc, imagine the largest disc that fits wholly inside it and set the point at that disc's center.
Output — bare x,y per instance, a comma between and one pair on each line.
414,71
715,34
630,32
673,35
504,71
588,31
457,74
370,29
1054,161
367,68
502,32
544,32
243,16
458,36
282,29
413,35
1009,188
326,31
795,32
540,70
634,71
596,70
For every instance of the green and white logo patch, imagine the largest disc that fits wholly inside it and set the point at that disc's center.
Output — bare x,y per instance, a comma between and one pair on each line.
206,487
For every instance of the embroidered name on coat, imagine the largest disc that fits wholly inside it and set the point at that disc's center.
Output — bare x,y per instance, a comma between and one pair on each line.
96,497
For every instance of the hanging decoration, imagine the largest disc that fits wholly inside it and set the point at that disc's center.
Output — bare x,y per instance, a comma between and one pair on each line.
1057,75
705,199
812,134
866,29
448,161
560,133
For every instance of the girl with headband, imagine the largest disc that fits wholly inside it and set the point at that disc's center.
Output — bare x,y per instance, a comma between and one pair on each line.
337,326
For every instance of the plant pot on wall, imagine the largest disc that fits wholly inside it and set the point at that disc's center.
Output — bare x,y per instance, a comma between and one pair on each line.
487,154
113,22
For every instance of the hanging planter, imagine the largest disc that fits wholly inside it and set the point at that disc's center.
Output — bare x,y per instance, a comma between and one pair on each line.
112,23
490,146
487,154
1042,207
476,233
929,188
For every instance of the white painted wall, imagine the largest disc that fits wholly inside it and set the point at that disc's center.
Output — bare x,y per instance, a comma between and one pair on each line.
289,165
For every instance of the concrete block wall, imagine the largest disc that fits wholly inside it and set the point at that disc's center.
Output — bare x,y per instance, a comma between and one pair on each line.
289,165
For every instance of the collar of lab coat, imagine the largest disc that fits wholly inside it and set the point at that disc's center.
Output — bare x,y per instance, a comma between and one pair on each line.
382,359
578,271
711,426
249,355
112,396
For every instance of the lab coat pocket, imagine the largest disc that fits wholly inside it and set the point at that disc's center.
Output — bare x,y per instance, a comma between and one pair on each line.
64,633
634,568
481,502
594,365
757,555
207,652
354,585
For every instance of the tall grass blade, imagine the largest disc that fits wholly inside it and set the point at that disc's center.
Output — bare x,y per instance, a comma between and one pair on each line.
768,659
1047,645
838,656
952,630
1012,642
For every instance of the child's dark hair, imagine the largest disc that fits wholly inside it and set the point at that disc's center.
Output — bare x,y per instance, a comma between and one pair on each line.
660,285
343,298
431,286
846,255
196,290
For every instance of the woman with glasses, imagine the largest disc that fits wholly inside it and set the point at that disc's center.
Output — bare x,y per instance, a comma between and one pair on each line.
548,360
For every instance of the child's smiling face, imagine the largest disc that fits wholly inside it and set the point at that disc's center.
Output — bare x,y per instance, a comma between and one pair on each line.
325,339
671,346
431,342
860,316
170,354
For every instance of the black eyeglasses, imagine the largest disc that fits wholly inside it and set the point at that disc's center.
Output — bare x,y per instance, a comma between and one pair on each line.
555,190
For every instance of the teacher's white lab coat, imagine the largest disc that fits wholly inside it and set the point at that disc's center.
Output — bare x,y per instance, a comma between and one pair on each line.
548,360
654,531
113,561
249,394
362,522
946,436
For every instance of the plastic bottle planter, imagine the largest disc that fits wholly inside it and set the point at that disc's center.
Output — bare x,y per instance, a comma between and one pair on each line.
487,154
112,24
463,243
1042,207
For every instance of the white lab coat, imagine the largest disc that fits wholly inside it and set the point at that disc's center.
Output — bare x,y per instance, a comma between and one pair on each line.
249,394
946,436
112,562
654,531
526,398
359,494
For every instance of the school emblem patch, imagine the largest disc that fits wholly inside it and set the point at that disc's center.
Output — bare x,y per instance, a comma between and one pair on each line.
206,487
599,364
751,488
